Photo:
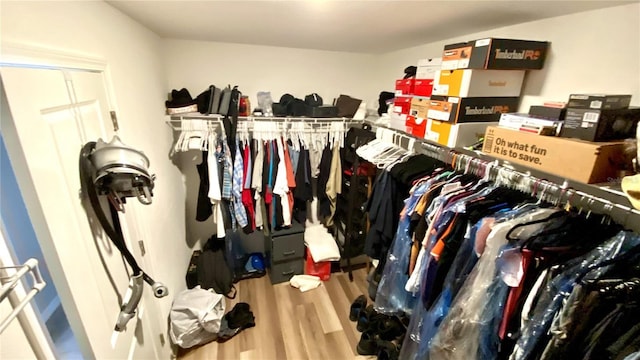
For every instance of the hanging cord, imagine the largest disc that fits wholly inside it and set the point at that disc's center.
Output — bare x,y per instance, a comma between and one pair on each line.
115,233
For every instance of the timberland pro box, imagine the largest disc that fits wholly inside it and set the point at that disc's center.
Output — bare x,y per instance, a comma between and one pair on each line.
455,135
598,101
568,158
601,125
419,107
473,83
491,53
475,109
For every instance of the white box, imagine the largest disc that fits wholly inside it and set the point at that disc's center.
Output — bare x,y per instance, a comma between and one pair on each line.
427,67
478,83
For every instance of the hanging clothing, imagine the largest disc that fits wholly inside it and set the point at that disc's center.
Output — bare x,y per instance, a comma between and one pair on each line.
238,208
247,198
334,184
204,206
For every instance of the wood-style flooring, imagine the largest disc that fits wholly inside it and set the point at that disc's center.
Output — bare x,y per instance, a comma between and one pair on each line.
291,324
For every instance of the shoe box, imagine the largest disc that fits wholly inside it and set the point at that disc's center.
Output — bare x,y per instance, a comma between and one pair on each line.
423,87
587,162
527,123
405,86
474,109
547,112
416,126
598,101
473,82
601,125
455,135
427,68
419,107
398,121
402,104
492,53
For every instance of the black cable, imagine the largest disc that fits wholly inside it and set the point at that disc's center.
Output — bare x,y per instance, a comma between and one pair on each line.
86,181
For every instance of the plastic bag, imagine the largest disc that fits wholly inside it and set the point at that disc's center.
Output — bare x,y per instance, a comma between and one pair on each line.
195,317
391,297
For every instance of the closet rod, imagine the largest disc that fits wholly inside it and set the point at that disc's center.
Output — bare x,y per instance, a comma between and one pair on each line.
176,120
591,198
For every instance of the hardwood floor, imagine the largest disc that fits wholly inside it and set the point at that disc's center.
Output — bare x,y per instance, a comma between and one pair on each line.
293,325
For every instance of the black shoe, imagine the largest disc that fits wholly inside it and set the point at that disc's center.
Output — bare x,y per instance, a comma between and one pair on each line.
368,344
388,350
390,328
358,305
368,320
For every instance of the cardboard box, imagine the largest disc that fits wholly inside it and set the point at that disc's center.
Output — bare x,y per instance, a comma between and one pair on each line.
423,87
474,83
427,68
598,101
547,112
572,159
491,53
419,107
402,104
455,135
398,121
601,125
404,86
479,109
416,126
524,122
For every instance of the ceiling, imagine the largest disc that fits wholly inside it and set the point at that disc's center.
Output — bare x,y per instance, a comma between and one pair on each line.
354,26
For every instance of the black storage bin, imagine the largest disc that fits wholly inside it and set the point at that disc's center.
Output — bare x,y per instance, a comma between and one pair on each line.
326,111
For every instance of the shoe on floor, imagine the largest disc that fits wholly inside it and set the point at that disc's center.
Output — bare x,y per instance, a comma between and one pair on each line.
368,344
387,350
369,319
358,305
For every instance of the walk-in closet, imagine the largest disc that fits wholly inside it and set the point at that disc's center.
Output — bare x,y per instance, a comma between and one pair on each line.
308,179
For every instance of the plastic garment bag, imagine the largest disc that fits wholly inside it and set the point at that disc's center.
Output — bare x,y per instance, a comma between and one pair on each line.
555,291
391,297
459,333
195,317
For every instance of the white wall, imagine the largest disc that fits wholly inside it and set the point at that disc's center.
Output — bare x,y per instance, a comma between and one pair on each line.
198,64
593,51
134,57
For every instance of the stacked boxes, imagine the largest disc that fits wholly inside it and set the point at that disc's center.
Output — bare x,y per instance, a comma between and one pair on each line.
412,96
478,81
599,117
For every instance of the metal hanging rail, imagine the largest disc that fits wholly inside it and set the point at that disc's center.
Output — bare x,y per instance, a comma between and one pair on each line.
555,189
176,119
9,282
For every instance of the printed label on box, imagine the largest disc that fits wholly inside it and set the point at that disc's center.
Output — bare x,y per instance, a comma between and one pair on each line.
596,104
591,117
523,151
483,42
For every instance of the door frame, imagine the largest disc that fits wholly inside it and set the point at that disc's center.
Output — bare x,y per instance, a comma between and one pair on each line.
18,55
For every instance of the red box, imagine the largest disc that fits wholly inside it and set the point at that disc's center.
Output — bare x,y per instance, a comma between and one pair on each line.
423,87
416,126
402,104
405,86
320,269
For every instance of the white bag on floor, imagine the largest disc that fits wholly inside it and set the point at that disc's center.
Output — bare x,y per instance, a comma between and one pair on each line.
195,317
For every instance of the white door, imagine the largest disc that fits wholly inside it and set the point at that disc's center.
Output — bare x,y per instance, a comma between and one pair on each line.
54,113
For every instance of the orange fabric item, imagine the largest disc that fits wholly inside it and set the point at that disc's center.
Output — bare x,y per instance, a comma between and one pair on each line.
291,178
439,246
